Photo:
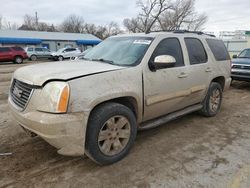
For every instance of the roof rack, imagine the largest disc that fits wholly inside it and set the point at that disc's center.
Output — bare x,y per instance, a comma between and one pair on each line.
186,31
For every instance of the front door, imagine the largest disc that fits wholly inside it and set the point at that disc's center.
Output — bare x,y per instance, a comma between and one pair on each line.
166,90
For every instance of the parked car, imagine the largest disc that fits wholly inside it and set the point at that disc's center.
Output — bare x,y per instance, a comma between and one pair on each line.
126,83
65,53
81,55
241,66
35,53
15,54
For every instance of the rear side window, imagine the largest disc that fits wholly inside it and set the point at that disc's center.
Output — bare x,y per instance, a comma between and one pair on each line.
219,49
70,49
5,49
196,51
169,46
17,48
38,49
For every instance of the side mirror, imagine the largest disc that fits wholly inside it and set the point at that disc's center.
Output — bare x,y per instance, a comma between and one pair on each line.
235,56
164,61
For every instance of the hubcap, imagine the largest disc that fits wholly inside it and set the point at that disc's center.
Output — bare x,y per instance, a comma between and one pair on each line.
18,60
114,135
215,100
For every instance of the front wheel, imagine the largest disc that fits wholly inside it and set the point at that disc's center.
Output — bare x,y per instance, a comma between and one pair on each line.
111,133
213,100
60,58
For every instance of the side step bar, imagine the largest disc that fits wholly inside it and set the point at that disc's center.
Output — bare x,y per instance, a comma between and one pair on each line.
169,117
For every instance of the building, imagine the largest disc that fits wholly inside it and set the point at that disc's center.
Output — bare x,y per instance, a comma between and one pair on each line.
236,41
50,40
238,34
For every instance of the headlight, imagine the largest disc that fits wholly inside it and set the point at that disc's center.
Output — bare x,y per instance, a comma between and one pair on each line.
54,97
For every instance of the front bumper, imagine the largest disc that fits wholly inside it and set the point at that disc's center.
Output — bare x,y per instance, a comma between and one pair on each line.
240,74
66,132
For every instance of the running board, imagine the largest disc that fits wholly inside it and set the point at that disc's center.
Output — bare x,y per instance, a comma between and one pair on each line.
165,119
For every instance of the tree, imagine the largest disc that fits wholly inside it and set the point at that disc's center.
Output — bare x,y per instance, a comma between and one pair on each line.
1,22
182,16
32,23
102,32
72,24
165,15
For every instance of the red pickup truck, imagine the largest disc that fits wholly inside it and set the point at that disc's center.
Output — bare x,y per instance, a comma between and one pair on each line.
14,54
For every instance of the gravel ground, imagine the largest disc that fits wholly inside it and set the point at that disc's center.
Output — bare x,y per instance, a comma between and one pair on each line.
193,151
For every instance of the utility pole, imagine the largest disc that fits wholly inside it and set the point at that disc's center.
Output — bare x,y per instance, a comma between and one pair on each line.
36,19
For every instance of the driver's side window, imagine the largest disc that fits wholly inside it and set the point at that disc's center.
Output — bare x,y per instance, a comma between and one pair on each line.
172,47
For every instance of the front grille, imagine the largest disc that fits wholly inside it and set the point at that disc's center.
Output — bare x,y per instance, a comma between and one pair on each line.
20,93
241,67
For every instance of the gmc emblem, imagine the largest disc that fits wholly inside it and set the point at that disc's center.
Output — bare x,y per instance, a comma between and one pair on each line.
17,92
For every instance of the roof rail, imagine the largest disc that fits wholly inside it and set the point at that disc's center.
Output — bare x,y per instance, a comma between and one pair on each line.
186,31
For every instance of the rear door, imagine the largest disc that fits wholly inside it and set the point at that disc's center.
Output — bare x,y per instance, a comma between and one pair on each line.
47,53
200,69
39,52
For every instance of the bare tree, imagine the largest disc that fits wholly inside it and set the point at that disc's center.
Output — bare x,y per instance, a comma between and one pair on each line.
73,24
103,32
182,16
165,15
151,10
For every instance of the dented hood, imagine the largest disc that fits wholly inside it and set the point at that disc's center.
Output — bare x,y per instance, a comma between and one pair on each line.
40,73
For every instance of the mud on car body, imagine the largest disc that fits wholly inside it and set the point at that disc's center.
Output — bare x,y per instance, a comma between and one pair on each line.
96,105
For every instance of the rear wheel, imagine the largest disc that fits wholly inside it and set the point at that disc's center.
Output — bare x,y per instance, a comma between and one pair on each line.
18,60
111,133
33,58
213,100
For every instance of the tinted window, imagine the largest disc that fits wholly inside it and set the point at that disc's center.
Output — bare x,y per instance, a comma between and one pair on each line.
70,49
17,48
4,49
38,49
30,49
46,50
196,51
169,46
219,49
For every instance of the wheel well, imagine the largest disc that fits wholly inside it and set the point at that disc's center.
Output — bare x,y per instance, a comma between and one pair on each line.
18,56
129,102
220,80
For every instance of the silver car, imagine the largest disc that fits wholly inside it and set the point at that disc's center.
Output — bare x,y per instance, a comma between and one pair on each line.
35,53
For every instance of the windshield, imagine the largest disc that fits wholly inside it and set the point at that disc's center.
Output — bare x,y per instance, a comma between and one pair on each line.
123,51
245,54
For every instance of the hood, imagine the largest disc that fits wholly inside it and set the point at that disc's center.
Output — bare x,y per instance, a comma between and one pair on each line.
244,61
40,73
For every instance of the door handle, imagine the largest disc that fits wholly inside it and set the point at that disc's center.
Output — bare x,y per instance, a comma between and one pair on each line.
183,75
208,69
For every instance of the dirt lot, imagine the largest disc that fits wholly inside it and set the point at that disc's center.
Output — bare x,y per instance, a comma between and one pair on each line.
190,152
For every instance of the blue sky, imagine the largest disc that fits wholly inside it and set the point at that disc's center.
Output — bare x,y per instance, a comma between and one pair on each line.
223,14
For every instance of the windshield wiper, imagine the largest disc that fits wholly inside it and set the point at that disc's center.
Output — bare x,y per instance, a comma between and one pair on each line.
104,60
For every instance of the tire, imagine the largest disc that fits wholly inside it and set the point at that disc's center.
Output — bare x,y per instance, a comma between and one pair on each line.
118,141
213,100
18,60
60,58
33,57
